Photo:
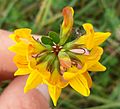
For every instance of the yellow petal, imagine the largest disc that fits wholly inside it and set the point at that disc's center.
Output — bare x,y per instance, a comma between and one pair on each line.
22,71
67,24
21,61
92,58
54,92
90,35
69,75
74,71
33,80
43,71
35,48
19,48
92,39
79,83
54,78
100,37
88,78
22,33
81,40
12,36
97,67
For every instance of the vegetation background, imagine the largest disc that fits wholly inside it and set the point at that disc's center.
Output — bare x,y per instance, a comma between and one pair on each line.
45,15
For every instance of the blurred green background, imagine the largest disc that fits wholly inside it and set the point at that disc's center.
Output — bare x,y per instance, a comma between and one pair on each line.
45,15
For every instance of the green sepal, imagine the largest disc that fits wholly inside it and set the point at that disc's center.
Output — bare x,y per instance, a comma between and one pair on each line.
46,40
68,46
49,47
54,36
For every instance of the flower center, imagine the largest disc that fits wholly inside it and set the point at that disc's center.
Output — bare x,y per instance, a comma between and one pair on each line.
56,49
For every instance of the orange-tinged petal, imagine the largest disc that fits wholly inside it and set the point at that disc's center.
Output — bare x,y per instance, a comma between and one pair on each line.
35,48
64,59
97,67
68,17
22,71
88,78
22,33
33,80
67,24
79,83
19,48
100,37
54,92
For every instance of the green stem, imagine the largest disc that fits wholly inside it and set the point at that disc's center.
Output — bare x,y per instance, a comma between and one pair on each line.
47,9
40,13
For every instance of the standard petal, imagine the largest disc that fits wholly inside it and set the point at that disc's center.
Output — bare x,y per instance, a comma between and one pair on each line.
79,83
67,24
33,80
88,78
90,35
54,92
100,37
97,67
22,71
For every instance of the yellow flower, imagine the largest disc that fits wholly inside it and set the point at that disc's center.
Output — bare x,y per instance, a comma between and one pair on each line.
24,48
56,61
92,59
92,39
79,79
55,84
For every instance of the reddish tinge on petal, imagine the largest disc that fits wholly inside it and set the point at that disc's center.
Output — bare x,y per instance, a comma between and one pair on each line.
68,16
67,24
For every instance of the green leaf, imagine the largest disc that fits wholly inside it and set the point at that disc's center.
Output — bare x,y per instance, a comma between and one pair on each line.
47,41
54,36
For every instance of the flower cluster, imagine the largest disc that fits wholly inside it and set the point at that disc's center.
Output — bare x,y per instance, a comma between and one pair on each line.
59,60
